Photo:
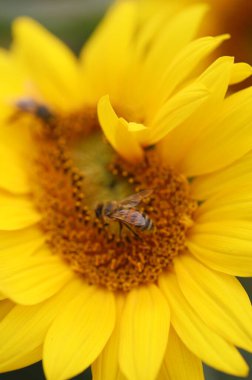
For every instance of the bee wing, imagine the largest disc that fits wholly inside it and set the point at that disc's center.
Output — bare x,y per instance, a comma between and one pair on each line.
135,199
25,104
130,217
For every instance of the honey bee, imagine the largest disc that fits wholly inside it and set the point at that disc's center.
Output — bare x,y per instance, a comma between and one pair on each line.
125,213
30,106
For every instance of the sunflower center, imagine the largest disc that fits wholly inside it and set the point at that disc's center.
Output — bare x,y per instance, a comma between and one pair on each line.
76,170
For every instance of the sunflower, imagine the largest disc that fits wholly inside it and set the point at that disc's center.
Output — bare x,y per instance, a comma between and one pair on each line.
125,200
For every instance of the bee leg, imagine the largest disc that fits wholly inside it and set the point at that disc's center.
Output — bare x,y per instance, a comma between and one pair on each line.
134,232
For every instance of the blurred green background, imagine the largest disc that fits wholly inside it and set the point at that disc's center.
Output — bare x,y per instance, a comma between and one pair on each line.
72,21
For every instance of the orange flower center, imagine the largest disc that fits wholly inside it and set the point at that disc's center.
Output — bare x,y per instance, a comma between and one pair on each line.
75,171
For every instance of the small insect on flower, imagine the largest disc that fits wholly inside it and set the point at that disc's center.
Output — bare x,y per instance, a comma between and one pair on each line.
31,106
125,213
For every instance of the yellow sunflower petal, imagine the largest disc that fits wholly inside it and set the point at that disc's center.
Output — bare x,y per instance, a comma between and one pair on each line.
225,246
136,127
206,291
184,26
144,333
13,176
33,356
151,27
111,41
216,79
16,212
106,366
12,80
33,280
87,321
227,205
227,139
12,240
241,71
175,111
117,132
179,362
16,252
186,61
11,75
5,307
20,244
51,64
228,179
196,335
2,296
30,324
17,138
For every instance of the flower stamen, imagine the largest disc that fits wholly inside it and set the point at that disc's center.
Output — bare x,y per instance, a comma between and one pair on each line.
69,192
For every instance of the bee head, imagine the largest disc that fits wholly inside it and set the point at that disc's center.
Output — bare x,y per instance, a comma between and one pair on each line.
98,210
43,112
